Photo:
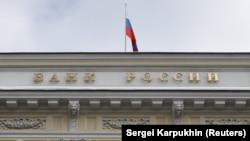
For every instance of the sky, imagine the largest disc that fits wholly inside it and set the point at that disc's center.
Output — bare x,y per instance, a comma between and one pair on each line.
99,25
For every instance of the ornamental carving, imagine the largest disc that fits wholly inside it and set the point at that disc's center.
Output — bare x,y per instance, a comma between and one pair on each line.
228,121
116,123
74,108
22,123
177,109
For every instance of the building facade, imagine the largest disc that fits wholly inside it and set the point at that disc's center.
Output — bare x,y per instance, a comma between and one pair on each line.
89,96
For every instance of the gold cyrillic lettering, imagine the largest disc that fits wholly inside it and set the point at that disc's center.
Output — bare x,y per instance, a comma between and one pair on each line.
177,77
194,77
89,77
147,76
163,77
212,77
54,78
71,77
130,76
38,77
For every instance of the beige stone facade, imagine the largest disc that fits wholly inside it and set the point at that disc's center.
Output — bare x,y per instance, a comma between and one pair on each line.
89,96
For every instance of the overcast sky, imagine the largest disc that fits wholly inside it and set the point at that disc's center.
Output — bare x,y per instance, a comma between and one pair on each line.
99,25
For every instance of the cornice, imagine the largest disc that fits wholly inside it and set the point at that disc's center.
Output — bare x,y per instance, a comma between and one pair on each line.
125,94
122,100
123,59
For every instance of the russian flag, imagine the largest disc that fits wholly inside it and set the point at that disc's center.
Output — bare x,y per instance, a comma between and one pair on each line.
131,35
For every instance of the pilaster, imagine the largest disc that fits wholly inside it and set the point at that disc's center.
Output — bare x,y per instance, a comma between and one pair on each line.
74,108
177,109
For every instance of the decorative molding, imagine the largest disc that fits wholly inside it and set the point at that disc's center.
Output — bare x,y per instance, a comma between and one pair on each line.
22,123
116,123
72,140
227,121
74,108
62,135
177,109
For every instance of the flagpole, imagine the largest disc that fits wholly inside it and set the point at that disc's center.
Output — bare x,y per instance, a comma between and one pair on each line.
125,27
